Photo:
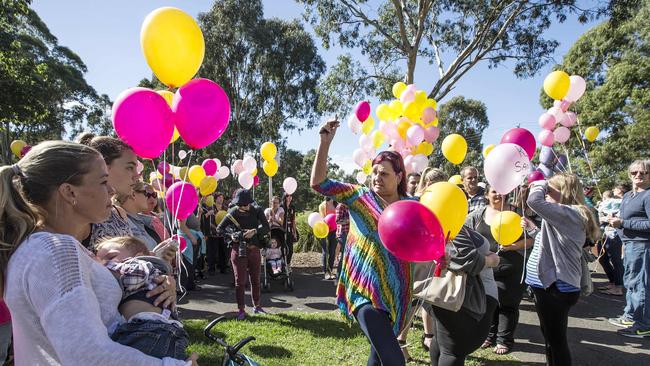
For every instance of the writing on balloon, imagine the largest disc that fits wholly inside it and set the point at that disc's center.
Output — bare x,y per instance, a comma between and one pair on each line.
521,167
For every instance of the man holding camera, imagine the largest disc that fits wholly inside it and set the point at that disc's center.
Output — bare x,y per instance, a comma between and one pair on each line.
244,228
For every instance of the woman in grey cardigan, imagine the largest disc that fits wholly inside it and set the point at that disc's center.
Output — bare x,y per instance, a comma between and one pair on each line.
457,334
554,268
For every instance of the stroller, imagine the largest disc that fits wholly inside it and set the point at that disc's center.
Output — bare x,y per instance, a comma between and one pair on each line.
232,357
285,273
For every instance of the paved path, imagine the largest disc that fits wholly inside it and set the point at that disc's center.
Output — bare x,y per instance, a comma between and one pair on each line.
593,341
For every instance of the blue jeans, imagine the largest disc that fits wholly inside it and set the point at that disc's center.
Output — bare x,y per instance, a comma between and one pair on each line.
328,246
636,280
156,339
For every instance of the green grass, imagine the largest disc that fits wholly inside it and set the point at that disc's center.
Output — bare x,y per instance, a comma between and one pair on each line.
296,338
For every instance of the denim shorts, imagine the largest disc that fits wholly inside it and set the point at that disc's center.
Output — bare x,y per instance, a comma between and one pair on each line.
154,338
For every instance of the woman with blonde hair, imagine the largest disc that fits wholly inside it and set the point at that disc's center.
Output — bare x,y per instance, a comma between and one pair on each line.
554,268
430,176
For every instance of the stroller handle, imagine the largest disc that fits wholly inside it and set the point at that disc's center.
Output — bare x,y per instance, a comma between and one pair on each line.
242,343
207,331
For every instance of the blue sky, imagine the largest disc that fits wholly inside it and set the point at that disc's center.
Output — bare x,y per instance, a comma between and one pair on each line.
106,35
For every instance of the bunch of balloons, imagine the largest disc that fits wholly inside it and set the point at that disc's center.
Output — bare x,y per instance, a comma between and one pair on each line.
19,148
199,110
549,163
321,226
246,170
205,177
409,124
557,120
268,152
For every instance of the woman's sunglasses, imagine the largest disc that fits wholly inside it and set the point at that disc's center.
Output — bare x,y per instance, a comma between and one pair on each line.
148,194
641,173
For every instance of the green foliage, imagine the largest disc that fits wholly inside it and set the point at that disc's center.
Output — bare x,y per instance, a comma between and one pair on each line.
306,339
308,242
615,62
452,35
467,117
45,95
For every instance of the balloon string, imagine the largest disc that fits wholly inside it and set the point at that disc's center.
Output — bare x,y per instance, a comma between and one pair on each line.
523,215
561,167
176,221
584,151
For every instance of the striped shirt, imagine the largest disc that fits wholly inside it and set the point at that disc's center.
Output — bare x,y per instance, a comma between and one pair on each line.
532,275
370,274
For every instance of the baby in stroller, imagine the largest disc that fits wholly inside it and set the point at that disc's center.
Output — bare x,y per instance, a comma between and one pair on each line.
274,256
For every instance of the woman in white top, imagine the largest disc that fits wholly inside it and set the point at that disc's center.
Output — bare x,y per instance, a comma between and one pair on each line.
275,214
63,303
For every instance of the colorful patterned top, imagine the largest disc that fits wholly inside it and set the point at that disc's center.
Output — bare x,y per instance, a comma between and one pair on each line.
369,273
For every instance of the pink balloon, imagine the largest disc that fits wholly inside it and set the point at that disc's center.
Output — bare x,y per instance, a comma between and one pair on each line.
547,121
415,134
569,119
561,134
256,180
25,150
506,166
545,138
169,179
362,110
181,199
411,232
521,137
182,243
428,115
535,176
210,166
202,112
431,133
330,220
142,119
163,167
562,104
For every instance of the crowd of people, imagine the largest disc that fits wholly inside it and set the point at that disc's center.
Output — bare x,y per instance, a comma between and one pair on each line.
91,257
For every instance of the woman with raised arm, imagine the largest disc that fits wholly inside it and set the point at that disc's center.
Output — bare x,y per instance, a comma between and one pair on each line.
374,287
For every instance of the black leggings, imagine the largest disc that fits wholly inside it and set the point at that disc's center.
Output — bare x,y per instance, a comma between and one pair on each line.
457,334
376,325
553,311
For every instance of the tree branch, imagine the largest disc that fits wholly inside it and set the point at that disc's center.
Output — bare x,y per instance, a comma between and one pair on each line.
358,13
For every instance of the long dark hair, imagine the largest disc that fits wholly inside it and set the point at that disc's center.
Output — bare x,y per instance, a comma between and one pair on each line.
397,163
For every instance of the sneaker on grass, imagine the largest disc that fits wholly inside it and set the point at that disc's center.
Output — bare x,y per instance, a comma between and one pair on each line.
634,332
621,321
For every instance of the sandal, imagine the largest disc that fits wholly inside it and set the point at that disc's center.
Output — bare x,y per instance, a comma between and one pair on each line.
501,349
487,344
612,291
424,344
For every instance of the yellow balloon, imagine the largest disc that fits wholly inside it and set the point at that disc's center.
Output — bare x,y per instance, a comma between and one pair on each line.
321,229
182,173
455,179
17,146
398,88
196,175
270,167
175,136
208,185
425,148
378,139
454,148
396,107
368,125
367,167
434,123
383,112
591,133
158,175
431,103
402,127
268,151
220,216
449,204
556,84
172,44
254,172
169,96
209,201
420,97
487,150
411,111
506,227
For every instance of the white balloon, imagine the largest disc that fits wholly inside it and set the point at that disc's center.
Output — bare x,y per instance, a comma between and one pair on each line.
365,142
506,167
223,172
419,163
408,163
361,177
245,179
249,164
577,87
175,170
182,154
408,95
415,134
289,185
313,218
354,124
359,156
218,163
237,167
556,112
